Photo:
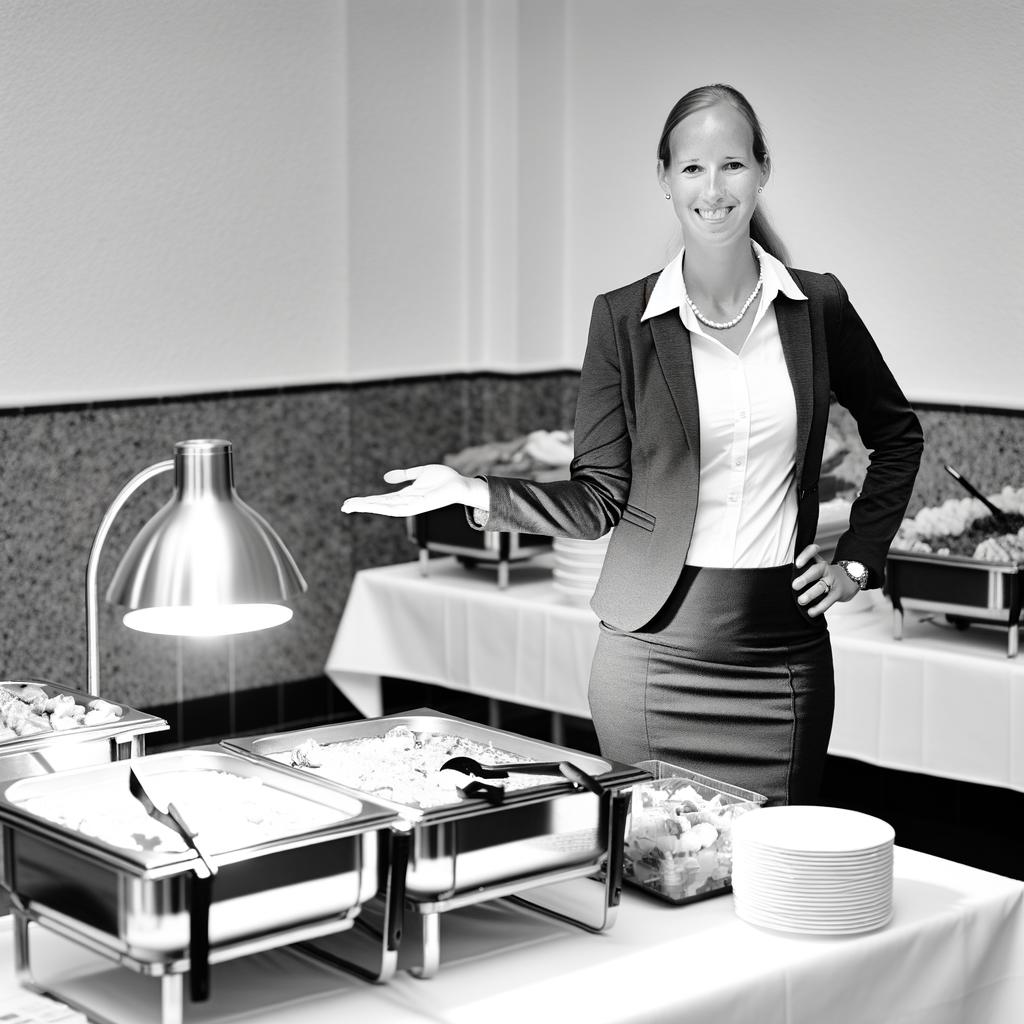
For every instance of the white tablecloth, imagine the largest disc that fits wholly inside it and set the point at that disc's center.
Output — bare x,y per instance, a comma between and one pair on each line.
939,701
953,954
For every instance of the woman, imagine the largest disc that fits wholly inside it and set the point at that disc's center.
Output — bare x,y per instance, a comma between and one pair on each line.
699,431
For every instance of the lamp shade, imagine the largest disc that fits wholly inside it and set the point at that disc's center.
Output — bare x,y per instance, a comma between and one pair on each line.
206,563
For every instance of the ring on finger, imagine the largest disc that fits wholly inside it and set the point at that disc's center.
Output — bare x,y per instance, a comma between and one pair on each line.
826,584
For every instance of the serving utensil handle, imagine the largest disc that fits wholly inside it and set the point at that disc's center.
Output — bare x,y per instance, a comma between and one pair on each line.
200,897
972,490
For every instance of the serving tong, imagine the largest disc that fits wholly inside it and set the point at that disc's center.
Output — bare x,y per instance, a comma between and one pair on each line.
997,512
471,766
201,895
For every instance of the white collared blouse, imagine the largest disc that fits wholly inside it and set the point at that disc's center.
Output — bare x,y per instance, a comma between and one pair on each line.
746,504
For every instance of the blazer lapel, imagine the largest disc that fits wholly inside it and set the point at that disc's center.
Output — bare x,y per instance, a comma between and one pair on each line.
794,320
672,343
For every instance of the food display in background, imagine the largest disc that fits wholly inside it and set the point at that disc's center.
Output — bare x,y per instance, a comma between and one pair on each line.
679,833
46,727
27,708
961,561
404,766
966,528
538,455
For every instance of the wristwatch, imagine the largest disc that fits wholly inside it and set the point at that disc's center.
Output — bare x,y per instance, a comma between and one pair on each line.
857,571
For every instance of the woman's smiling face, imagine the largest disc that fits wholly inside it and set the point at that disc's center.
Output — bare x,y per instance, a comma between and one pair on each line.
713,176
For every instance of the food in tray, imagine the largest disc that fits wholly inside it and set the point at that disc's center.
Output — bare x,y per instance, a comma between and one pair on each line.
27,709
228,811
404,766
679,842
964,526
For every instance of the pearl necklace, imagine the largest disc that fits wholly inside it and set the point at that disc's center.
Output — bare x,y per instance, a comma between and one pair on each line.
739,316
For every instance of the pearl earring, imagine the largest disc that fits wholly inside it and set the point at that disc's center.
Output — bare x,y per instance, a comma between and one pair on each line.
760,189
668,195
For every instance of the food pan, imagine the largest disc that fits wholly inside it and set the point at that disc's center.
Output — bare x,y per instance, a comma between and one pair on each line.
471,849
120,734
964,590
467,843
305,870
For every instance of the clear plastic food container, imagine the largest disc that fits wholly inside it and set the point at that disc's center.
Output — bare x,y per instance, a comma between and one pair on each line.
679,833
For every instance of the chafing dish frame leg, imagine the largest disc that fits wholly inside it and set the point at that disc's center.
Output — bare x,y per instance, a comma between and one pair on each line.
615,810
615,814
135,746
172,998
430,951
389,936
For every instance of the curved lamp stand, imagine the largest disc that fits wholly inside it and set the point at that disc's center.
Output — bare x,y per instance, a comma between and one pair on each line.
92,571
205,564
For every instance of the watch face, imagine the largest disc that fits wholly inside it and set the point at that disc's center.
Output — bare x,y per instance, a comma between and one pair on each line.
857,572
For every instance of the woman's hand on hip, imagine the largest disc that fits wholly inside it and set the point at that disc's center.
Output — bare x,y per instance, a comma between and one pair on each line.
430,487
822,584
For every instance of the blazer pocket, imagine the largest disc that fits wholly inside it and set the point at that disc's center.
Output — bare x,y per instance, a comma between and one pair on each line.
638,517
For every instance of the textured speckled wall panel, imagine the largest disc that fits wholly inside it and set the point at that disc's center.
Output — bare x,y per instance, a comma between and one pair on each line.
986,447
298,454
61,469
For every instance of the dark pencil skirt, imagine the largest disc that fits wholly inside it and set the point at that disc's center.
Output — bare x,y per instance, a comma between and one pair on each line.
731,680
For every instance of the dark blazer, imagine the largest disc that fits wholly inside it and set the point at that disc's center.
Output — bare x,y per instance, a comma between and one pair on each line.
637,443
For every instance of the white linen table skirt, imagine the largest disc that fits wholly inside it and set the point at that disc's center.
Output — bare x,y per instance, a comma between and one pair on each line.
939,701
953,953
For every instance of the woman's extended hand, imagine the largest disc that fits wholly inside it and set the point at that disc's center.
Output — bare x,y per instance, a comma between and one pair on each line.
430,487
820,583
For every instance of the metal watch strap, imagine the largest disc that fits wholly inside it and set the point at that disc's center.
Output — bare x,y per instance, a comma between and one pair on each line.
860,579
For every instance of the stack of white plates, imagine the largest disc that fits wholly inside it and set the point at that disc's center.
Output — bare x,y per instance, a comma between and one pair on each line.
816,870
578,565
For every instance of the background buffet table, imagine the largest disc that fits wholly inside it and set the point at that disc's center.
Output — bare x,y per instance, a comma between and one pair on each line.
954,952
940,701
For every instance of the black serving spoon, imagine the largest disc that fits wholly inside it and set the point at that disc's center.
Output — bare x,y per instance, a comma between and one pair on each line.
470,766
201,892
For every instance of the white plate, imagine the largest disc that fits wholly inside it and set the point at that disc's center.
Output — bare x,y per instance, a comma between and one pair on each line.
744,882
588,561
574,581
803,904
750,860
841,918
574,544
803,828
813,928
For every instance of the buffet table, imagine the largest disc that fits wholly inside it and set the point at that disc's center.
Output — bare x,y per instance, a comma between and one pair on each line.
954,952
940,701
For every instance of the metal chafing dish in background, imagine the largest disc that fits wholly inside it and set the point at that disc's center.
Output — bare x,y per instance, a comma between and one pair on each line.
135,907
445,531
42,753
552,846
964,590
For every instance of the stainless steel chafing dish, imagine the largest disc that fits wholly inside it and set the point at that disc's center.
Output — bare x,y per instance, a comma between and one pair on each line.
964,590
42,753
136,907
445,531
537,845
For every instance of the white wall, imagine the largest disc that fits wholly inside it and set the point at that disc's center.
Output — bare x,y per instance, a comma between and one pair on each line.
203,195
